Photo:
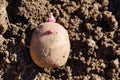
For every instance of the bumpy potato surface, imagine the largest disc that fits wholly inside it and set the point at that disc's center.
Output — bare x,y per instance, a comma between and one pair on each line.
50,45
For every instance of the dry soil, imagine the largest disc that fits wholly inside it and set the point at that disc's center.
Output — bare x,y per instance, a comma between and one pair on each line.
94,31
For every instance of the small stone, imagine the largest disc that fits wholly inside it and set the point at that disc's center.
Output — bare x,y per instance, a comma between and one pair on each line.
13,57
104,2
96,77
1,39
7,60
117,52
115,63
103,65
7,53
88,69
1,74
90,43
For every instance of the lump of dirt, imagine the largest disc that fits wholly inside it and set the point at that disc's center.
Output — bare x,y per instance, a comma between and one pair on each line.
3,17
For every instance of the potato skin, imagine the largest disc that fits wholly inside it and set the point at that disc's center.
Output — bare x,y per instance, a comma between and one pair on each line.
50,50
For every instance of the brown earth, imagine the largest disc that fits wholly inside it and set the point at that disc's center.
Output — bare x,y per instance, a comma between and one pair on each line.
94,30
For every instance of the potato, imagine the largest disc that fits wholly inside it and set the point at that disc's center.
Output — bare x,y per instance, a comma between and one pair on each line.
50,45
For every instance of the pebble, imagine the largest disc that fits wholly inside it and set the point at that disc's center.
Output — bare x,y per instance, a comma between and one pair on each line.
115,63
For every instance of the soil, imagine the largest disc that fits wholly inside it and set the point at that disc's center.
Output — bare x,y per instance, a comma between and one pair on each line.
94,31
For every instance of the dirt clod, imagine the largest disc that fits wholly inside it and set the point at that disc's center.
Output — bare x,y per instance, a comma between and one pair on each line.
3,17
